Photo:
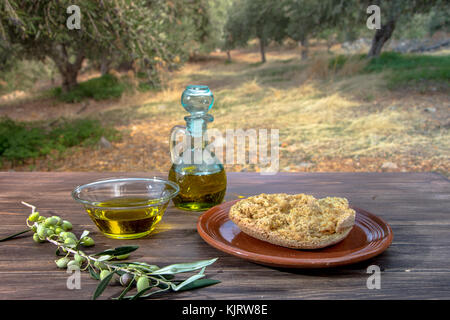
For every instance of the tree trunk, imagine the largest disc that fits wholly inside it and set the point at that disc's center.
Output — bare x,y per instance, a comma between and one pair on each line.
305,48
69,71
105,66
228,56
330,43
126,65
262,50
381,36
69,79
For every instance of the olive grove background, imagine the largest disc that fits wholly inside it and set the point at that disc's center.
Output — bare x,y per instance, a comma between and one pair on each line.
345,98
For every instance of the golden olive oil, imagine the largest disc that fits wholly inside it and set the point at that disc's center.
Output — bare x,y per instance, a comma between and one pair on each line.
125,217
198,191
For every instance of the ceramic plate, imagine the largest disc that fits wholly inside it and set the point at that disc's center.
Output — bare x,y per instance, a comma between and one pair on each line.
369,237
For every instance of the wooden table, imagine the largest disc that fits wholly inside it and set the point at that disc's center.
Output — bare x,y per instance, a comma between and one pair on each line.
416,265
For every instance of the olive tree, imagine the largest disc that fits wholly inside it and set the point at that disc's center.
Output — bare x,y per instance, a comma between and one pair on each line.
354,16
235,30
308,18
261,19
150,32
392,11
219,10
304,19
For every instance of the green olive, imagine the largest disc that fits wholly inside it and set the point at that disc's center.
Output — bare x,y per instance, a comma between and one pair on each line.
70,241
100,265
50,232
142,283
62,262
104,274
87,241
66,225
36,238
50,222
73,265
58,230
34,227
79,259
33,217
41,218
41,230
66,235
58,220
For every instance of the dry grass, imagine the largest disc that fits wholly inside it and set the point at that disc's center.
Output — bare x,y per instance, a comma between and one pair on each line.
329,120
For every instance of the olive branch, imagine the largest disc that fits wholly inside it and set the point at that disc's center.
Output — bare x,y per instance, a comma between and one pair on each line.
104,266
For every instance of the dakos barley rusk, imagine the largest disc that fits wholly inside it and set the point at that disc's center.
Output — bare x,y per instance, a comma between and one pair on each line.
295,221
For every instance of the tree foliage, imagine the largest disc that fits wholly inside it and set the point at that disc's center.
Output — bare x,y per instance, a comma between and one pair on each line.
307,18
150,32
154,34
391,12
303,19
261,19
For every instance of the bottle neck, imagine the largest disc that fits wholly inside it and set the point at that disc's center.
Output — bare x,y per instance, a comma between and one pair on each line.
197,126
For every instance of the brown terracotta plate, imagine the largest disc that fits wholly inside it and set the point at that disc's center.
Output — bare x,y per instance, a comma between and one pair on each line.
369,237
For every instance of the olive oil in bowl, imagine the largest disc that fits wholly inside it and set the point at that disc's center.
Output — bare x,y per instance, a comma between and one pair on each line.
126,218
126,208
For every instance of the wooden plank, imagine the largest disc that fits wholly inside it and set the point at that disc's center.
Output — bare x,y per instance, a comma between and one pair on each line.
415,266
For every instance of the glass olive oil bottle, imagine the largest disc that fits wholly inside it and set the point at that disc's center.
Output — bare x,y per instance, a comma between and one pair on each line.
202,181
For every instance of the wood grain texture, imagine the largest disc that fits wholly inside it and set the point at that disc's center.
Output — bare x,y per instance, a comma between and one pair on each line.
416,205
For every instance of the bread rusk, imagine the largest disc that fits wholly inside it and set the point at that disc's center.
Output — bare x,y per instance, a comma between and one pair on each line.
295,221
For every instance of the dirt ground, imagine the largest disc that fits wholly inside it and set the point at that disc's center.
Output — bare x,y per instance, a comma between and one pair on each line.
327,122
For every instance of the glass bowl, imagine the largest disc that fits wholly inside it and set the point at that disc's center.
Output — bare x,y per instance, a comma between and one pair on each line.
127,208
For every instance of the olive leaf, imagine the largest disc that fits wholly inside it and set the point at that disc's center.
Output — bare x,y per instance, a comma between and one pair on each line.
187,281
184,267
14,235
199,284
118,251
58,252
143,264
138,265
102,285
120,272
84,234
104,257
95,275
141,294
166,276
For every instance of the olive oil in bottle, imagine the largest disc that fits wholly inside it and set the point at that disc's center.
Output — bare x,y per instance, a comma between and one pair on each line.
198,191
125,217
